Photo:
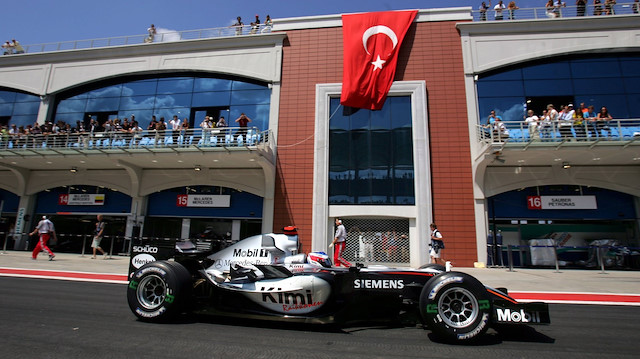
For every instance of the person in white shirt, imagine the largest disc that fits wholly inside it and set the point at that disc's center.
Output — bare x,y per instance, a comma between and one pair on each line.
565,122
175,123
498,9
532,124
46,230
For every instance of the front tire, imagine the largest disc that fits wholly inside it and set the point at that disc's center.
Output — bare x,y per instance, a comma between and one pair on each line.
455,306
158,291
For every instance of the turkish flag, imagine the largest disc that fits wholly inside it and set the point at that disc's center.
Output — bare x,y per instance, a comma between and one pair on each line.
371,42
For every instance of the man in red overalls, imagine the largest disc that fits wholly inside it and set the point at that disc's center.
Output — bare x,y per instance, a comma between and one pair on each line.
45,229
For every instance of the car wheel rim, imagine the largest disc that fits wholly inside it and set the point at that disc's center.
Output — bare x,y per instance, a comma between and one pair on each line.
151,292
458,307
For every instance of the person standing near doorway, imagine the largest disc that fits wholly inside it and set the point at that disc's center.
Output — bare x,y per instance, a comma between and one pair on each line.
45,230
97,237
338,244
437,244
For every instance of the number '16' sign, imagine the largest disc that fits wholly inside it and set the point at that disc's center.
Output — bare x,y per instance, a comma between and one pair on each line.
534,202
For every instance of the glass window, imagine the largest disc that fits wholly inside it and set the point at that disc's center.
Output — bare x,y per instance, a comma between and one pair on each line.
109,91
173,100
207,99
168,113
175,85
630,67
598,85
239,85
364,151
558,87
250,97
208,84
6,109
259,115
26,108
137,102
631,84
102,104
509,108
556,70
515,74
69,117
595,68
137,88
25,97
67,106
24,120
501,88
7,96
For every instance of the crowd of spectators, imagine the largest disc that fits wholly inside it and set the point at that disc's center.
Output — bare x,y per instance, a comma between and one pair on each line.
554,8
12,47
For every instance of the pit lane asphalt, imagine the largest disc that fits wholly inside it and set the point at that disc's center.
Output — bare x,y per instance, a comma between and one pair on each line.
42,318
525,284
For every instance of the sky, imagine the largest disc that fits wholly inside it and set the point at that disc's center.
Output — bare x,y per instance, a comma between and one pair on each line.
44,21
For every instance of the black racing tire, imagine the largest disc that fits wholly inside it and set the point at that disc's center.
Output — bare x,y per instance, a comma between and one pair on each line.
455,307
435,266
159,290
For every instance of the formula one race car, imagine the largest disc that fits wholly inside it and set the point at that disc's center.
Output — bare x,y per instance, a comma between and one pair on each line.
263,277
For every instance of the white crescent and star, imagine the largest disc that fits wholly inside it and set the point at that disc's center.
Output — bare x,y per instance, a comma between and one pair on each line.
374,30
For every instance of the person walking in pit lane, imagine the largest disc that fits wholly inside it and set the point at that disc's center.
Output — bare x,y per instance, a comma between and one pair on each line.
46,230
97,237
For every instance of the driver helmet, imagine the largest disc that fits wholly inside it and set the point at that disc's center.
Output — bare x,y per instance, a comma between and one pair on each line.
320,259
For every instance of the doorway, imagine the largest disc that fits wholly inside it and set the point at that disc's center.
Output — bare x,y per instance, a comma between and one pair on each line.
100,117
198,114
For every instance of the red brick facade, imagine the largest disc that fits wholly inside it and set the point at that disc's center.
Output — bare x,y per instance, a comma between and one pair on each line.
431,52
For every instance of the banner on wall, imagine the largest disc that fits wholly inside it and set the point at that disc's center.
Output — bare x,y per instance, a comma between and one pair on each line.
561,202
81,199
203,200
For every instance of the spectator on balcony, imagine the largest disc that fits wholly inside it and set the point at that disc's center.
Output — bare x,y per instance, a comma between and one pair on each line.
238,25
581,7
136,133
602,122
221,124
17,48
184,130
636,7
590,116
532,125
206,125
268,25
549,8
488,126
579,124
500,131
152,34
498,9
565,122
7,49
609,7
483,11
512,7
597,7
243,121
161,127
255,25
557,7
36,135
175,124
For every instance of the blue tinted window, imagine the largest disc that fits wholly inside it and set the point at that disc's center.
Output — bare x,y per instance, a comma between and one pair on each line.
207,84
6,109
168,113
204,99
109,91
67,106
71,118
259,115
25,97
239,85
26,108
137,102
103,104
173,100
558,70
630,67
509,108
598,85
250,97
501,88
506,75
7,96
592,68
24,120
175,85
632,84
558,87
364,153
137,88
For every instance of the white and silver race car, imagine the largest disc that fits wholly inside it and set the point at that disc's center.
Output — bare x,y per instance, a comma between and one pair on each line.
263,277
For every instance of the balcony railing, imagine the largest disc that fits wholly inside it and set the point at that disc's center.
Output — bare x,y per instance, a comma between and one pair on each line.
227,137
590,10
168,36
617,131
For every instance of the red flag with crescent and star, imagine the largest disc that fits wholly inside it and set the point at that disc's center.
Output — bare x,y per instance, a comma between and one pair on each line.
371,42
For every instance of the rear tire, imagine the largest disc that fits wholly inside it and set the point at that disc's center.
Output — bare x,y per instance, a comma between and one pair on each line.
456,307
159,290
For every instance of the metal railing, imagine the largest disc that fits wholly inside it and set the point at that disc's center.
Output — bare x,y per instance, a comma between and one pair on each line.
590,10
216,137
626,131
165,36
